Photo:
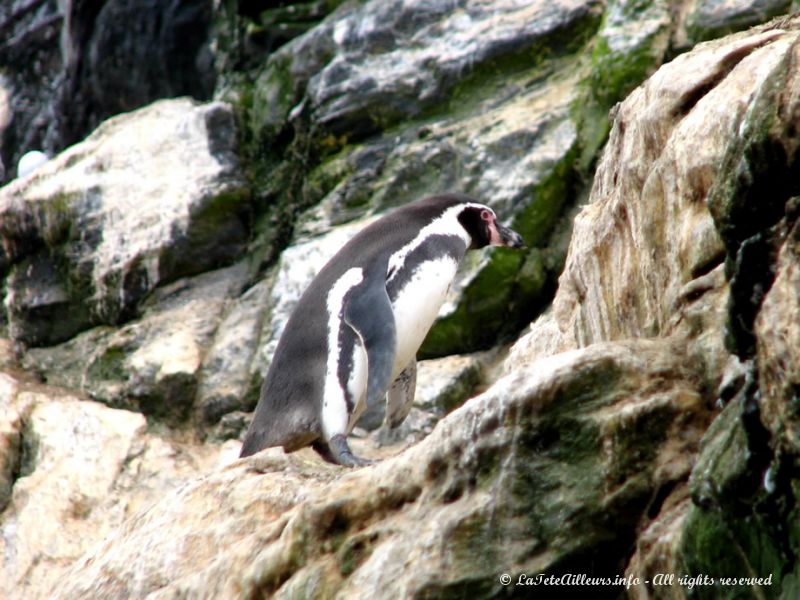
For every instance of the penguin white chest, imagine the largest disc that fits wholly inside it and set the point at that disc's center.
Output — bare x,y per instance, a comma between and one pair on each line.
417,305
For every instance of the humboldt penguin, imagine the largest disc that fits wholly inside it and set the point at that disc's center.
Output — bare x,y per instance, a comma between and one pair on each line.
353,336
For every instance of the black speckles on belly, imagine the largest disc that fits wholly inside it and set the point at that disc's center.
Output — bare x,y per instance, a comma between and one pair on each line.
347,342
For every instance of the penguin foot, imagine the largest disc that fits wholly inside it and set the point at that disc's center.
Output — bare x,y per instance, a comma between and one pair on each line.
338,452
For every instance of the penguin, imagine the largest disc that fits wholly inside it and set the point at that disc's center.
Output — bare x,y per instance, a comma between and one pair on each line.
352,339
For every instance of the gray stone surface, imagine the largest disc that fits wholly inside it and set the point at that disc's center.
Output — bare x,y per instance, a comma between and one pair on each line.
149,197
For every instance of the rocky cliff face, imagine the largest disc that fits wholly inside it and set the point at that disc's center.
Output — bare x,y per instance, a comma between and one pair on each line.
645,424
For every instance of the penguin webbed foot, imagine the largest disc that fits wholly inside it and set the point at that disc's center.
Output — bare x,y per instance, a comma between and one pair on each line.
338,452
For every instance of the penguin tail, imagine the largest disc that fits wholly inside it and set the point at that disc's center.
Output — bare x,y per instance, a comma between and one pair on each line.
249,446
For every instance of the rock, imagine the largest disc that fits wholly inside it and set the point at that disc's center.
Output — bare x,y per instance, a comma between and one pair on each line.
417,425
655,559
543,338
444,384
300,528
6,114
245,33
703,143
38,307
372,65
231,426
72,471
710,19
69,65
777,329
631,44
154,364
159,50
232,369
8,354
653,166
492,116
103,224
736,523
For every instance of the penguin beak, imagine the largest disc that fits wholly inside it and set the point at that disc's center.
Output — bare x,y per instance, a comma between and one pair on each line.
504,236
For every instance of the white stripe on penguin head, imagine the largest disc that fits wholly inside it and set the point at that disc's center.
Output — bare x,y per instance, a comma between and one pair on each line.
446,223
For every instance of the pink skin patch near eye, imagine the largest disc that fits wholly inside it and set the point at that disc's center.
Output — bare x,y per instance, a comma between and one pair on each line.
494,235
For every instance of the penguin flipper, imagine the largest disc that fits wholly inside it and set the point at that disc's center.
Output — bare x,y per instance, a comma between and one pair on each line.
400,396
368,311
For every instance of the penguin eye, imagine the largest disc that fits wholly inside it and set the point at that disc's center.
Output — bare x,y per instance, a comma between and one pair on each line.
487,215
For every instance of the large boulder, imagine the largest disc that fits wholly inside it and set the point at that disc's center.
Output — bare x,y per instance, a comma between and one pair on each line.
154,364
497,487
692,235
402,98
149,197
73,471
118,260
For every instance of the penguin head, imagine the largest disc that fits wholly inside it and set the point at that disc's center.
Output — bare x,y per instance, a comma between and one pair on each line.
482,226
